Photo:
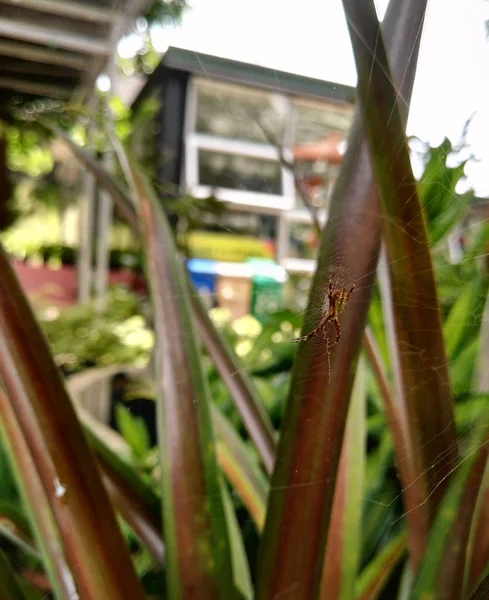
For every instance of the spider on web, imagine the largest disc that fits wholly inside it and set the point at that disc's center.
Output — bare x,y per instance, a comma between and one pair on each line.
337,300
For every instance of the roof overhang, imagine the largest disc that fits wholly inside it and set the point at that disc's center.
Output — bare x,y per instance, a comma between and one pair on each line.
57,48
233,71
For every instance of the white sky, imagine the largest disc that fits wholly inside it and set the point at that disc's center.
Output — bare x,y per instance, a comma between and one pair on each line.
310,38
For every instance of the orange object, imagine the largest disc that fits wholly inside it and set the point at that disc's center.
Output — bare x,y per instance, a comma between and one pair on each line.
313,181
328,150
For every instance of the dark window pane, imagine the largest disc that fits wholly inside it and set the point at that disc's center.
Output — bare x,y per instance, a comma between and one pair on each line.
239,172
303,241
239,223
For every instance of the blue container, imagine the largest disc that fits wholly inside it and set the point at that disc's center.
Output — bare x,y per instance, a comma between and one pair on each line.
203,274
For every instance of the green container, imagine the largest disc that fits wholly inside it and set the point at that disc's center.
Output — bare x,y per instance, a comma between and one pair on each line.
267,293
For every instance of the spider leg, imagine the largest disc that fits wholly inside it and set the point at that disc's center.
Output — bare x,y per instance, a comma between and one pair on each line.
338,330
318,330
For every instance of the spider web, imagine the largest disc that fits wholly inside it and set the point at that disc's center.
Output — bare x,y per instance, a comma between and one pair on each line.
341,278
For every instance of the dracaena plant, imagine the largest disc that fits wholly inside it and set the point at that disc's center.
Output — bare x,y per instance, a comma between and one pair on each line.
309,497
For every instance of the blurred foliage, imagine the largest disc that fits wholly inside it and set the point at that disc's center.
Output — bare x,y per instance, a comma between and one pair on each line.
82,337
26,151
7,210
191,213
443,206
266,354
37,236
264,348
166,11
133,430
163,13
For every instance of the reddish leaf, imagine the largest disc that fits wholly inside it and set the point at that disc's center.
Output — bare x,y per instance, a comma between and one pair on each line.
65,464
422,359
244,476
36,502
301,495
144,522
198,561
240,386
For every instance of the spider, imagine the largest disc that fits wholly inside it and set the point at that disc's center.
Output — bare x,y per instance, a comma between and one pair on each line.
337,299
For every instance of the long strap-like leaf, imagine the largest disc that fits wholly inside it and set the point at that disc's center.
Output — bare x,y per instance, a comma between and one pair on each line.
198,559
56,442
10,586
242,391
44,526
343,550
301,495
420,346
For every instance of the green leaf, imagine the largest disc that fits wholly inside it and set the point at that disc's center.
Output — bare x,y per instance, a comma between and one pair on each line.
478,554
241,387
442,206
406,583
239,468
463,367
343,550
464,320
470,410
104,179
441,576
35,499
9,532
133,430
396,418
137,512
241,571
112,451
133,497
10,494
376,574
11,590
379,515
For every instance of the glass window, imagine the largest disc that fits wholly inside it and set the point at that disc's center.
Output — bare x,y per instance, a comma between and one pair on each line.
316,127
236,172
303,241
313,123
315,183
235,112
240,223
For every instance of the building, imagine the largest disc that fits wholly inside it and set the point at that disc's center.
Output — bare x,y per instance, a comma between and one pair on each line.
231,129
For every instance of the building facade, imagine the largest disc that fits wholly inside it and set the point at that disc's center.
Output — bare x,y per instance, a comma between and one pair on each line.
235,131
